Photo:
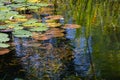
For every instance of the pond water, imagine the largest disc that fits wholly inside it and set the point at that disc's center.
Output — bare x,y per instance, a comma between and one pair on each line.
71,57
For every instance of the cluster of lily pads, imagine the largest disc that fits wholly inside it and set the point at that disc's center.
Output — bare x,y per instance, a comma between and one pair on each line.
17,17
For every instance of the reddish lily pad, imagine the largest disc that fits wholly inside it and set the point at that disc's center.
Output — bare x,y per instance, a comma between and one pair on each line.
54,17
71,26
55,32
4,51
38,36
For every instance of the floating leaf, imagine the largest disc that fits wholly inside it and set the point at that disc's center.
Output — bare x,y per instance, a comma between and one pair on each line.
39,29
53,24
22,33
33,1
54,17
4,51
45,10
19,16
4,37
50,21
41,4
5,8
33,7
19,1
71,26
28,16
4,45
41,37
3,27
30,22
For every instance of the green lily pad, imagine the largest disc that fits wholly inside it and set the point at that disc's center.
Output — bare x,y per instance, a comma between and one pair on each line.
42,4
22,33
3,27
4,45
19,1
39,29
38,24
18,28
33,7
30,22
19,16
5,8
4,37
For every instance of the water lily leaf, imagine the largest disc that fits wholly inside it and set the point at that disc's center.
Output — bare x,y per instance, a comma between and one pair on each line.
53,24
34,25
18,28
22,33
4,37
16,6
3,27
33,7
4,45
19,16
13,25
5,8
42,4
71,26
33,1
1,4
54,17
29,22
5,15
39,29
50,21
19,1
28,16
38,36
4,51
45,10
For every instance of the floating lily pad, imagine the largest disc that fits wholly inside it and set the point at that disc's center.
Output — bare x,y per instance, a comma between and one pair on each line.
28,16
41,36
39,29
3,27
54,17
50,21
29,23
5,8
71,26
22,33
4,51
4,45
19,16
53,24
42,4
33,1
33,7
19,1
4,37
45,10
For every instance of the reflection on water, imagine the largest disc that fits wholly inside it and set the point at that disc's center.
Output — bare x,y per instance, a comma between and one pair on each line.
61,58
